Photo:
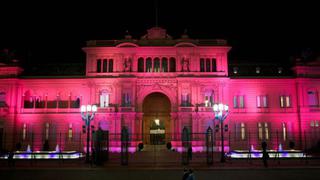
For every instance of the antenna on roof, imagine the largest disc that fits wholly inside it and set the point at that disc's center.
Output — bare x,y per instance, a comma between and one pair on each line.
156,11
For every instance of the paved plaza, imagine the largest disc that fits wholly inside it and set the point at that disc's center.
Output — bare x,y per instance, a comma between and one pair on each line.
160,164
216,174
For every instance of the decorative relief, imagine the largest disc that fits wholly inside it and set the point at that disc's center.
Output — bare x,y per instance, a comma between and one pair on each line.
185,62
162,85
127,64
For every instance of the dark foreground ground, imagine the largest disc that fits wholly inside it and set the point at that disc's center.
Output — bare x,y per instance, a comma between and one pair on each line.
120,174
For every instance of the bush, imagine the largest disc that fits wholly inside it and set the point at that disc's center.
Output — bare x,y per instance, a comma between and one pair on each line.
46,145
140,146
18,146
291,145
169,145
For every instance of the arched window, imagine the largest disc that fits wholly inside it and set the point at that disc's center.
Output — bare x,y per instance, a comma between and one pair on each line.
156,67
209,98
98,65
104,99
172,64
202,65
141,65
28,100
214,65
149,65
164,64
105,65
208,65
2,99
110,65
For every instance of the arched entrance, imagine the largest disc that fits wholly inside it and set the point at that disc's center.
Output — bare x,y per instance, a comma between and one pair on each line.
156,118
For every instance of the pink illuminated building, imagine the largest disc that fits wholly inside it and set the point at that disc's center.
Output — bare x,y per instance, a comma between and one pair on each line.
156,86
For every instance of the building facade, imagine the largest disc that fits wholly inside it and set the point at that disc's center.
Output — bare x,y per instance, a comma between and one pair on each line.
155,86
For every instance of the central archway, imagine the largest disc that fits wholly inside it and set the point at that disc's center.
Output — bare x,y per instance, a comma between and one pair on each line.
156,110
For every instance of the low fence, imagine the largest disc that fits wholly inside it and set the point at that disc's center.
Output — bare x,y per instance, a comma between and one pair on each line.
232,141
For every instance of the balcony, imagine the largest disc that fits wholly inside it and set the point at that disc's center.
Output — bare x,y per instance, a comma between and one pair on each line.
50,110
205,109
127,109
186,109
106,109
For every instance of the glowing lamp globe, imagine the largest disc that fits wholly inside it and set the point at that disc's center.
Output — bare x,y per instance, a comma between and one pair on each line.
88,108
83,108
226,107
215,107
94,108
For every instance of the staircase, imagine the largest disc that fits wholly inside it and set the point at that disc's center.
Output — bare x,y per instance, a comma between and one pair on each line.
156,155
150,156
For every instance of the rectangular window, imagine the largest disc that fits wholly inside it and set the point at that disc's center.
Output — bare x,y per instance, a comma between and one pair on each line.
266,131
104,100
241,101
284,131
98,65
260,131
243,131
258,101
262,101
24,131
313,98
285,101
185,100
282,101
311,123
314,124
2,97
238,101
265,102
47,127
126,100
209,99
235,101
70,133
206,101
288,101
263,131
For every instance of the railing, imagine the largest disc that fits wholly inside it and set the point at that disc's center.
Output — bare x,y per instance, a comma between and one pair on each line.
309,141
127,109
50,110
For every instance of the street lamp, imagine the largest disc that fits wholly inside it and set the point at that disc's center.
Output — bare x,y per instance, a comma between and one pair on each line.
87,114
221,112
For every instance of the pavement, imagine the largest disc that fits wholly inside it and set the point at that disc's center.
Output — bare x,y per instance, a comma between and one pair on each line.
230,164
124,174
159,158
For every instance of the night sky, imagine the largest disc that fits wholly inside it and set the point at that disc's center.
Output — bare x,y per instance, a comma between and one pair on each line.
263,31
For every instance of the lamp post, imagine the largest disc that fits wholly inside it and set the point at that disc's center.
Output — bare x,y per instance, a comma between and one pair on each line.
87,114
221,112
